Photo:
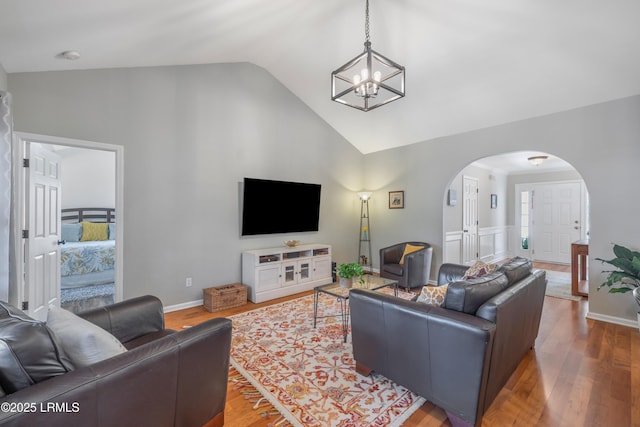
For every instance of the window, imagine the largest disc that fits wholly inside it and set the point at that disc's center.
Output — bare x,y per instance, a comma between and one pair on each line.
524,220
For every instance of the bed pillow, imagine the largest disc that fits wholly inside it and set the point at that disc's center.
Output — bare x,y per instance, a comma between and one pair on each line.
112,231
94,231
84,342
72,232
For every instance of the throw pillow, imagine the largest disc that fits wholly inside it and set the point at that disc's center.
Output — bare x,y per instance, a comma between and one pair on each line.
479,269
409,249
71,232
29,352
433,295
94,231
84,342
112,231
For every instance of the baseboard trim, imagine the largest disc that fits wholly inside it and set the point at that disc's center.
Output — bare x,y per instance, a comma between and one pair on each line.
611,319
182,306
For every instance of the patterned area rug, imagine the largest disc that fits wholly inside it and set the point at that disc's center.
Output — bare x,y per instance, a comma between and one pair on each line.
309,374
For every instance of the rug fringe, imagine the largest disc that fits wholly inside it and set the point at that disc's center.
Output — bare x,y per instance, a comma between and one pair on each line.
250,393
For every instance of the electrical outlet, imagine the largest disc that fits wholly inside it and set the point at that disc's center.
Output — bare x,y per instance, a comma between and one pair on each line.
188,282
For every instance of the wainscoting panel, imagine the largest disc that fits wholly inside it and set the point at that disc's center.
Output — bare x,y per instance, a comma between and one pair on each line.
493,243
453,247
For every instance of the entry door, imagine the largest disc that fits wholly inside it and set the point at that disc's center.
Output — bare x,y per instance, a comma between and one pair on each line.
469,219
43,213
556,220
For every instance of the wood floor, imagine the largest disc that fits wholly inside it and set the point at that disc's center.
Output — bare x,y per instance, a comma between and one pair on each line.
581,373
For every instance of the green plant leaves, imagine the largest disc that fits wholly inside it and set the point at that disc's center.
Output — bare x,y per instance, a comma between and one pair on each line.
627,277
349,270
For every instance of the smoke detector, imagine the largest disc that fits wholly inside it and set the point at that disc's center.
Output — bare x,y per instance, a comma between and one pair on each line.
70,55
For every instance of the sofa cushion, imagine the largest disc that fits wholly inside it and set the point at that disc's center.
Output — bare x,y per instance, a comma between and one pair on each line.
433,295
395,269
516,269
29,351
467,295
84,342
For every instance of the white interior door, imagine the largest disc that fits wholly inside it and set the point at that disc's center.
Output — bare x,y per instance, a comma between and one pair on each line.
556,224
469,219
43,216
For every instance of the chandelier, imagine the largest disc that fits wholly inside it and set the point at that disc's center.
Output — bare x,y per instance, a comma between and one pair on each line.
368,81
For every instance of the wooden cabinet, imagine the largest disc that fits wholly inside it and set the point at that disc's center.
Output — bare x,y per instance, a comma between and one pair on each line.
277,272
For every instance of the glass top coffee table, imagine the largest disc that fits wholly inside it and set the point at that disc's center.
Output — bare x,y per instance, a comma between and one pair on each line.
341,293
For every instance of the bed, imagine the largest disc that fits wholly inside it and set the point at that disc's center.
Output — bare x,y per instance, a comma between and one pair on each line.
87,258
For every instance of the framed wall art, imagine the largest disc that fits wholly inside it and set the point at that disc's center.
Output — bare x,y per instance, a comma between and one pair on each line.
396,199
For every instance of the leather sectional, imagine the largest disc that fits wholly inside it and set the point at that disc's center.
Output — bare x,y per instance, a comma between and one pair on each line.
166,378
458,355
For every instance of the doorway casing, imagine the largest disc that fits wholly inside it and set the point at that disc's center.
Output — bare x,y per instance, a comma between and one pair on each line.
17,291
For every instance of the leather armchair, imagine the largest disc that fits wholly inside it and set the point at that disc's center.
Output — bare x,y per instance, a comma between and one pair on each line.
167,378
414,272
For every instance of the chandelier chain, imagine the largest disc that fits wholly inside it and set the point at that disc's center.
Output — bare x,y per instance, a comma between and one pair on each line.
366,22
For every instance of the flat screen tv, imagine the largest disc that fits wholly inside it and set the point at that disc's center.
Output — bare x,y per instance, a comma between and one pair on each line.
270,207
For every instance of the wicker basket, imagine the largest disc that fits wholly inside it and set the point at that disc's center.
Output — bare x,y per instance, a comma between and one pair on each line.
223,297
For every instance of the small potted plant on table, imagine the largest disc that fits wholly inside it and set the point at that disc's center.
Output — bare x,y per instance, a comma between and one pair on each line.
348,272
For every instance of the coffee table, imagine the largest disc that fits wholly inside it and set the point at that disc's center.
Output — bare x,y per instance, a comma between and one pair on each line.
335,290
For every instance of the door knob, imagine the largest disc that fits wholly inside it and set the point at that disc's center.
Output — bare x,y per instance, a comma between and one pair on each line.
62,242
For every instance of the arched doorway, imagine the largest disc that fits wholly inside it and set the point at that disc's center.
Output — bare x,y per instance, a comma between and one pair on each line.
533,210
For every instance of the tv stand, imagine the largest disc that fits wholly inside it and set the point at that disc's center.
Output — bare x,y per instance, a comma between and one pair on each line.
278,272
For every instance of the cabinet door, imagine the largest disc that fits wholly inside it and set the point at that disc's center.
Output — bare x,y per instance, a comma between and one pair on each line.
322,268
267,277
289,273
305,271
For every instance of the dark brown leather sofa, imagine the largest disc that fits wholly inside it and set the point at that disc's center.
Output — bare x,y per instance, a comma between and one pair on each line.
460,355
166,378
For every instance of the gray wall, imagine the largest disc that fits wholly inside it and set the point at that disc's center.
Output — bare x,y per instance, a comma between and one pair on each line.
88,178
601,141
190,135
489,182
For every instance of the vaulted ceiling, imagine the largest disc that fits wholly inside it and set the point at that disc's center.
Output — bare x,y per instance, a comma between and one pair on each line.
470,64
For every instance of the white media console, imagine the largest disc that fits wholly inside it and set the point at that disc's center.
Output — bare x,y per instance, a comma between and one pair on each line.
278,272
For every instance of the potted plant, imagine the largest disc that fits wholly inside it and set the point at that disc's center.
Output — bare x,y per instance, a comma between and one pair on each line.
348,272
627,277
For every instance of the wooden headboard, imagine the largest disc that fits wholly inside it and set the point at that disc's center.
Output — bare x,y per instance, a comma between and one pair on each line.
88,214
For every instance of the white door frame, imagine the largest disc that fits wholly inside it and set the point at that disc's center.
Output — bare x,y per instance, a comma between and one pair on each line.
17,293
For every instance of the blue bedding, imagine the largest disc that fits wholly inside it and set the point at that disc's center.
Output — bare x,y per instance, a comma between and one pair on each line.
87,257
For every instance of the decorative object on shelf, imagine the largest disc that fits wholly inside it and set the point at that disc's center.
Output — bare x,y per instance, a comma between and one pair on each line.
396,199
537,160
348,272
494,201
291,243
627,277
364,242
452,197
368,81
